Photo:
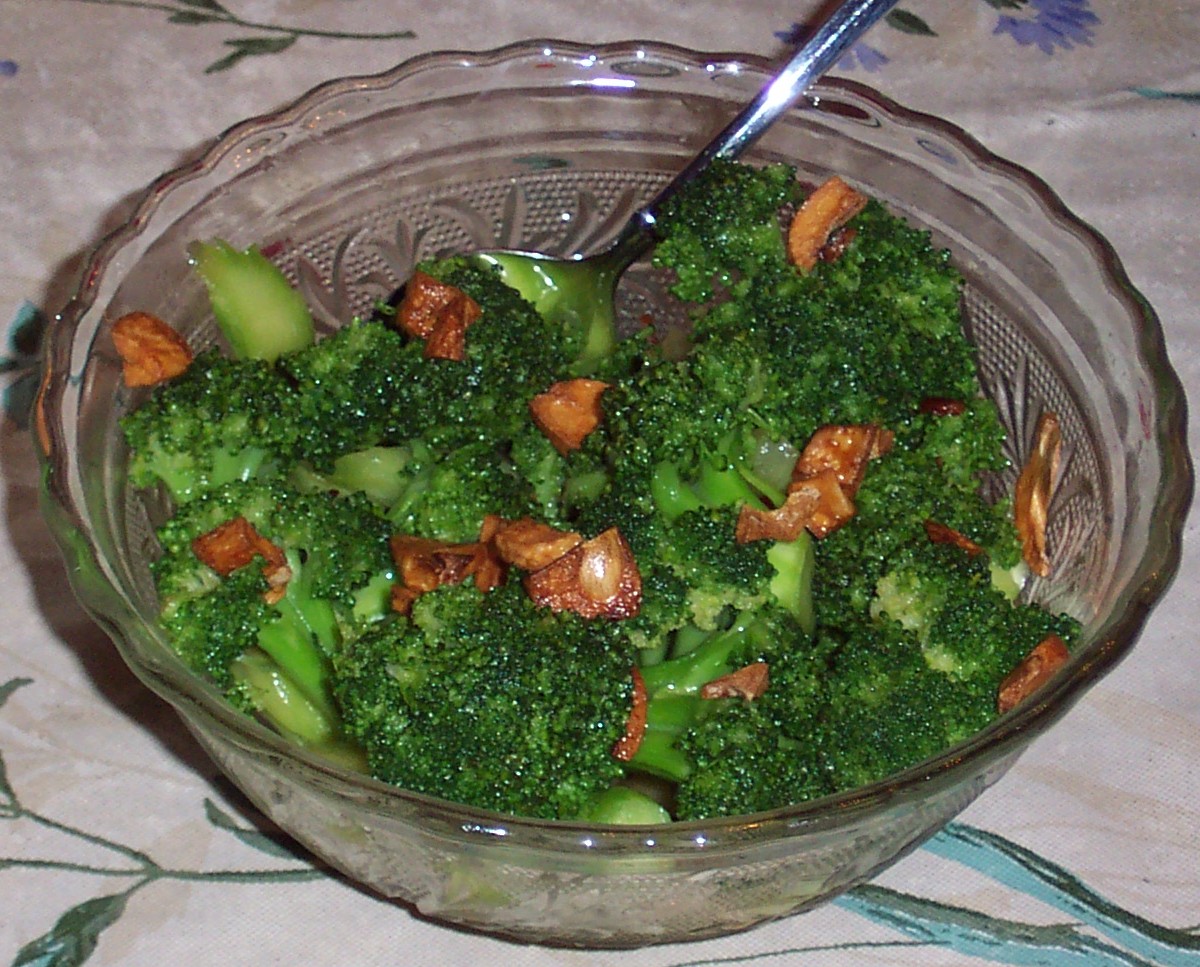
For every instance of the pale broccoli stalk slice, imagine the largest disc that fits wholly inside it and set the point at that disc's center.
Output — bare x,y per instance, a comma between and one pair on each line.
792,583
272,693
256,308
377,472
288,640
620,805
281,701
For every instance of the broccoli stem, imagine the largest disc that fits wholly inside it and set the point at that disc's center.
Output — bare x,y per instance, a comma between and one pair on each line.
374,599
685,674
687,639
792,583
715,486
622,806
258,311
288,641
583,487
671,495
378,472
673,694
724,487
281,701
668,716
774,495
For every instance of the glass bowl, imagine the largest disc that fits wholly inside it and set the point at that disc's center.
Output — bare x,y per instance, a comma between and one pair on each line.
549,146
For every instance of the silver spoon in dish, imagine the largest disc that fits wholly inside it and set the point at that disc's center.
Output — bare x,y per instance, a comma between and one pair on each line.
582,290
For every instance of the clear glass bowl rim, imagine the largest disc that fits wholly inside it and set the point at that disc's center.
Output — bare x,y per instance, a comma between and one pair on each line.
191,696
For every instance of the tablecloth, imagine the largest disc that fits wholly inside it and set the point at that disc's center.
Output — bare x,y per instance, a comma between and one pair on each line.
119,844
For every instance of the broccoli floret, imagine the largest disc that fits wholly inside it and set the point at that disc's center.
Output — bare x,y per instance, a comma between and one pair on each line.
749,756
722,575
448,490
930,474
798,350
725,229
347,388
512,354
544,469
572,296
222,420
966,629
443,707
918,669
890,709
339,564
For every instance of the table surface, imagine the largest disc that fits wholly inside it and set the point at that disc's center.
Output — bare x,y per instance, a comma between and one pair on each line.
119,845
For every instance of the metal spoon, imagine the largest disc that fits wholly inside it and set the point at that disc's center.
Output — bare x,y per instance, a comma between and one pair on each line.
582,290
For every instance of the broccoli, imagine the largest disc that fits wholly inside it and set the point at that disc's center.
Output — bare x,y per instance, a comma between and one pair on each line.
674,704
339,566
869,338
724,230
749,756
442,707
347,388
571,295
218,422
258,311
875,643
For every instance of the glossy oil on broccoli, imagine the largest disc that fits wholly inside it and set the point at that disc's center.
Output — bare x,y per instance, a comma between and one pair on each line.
386,618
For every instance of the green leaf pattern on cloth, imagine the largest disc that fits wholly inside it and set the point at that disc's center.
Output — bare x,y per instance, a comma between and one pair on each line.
268,38
75,934
74,937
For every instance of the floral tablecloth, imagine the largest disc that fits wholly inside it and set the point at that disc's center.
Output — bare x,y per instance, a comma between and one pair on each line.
118,843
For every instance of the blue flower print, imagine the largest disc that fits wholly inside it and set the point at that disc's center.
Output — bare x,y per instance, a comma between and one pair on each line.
1051,24
864,56
8,68
860,55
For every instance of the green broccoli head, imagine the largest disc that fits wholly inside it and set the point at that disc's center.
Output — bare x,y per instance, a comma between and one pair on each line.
754,755
891,711
920,671
932,473
725,229
448,490
722,576
211,620
848,342
443,708
512,354
221,420
338,570
966,629
347,389
882,645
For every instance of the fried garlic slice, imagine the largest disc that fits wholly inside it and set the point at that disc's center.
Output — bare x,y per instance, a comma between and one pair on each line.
151,351
826,210
568,411
1034,489
1033,671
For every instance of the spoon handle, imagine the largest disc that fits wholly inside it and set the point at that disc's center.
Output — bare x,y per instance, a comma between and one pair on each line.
847,22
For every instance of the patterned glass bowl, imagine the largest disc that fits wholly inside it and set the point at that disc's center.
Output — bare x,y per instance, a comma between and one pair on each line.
549,145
